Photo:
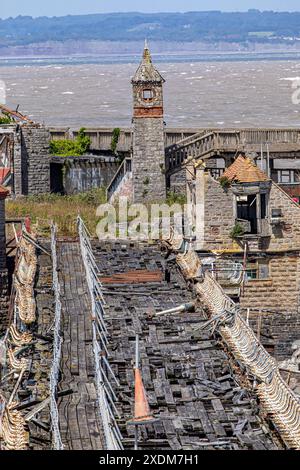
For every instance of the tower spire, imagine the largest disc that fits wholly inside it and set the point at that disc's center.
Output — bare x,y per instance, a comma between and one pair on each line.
146,55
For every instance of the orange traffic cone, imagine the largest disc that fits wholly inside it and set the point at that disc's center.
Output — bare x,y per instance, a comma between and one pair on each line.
142,414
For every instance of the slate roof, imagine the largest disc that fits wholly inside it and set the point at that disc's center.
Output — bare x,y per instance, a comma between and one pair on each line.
146,71
243,170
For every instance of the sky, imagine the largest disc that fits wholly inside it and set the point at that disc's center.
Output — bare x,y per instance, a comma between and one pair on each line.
75,7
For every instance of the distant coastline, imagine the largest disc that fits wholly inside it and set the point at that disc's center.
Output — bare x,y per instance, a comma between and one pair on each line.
72,52
253,31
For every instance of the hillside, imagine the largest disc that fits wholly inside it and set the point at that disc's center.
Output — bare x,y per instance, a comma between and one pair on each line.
208,27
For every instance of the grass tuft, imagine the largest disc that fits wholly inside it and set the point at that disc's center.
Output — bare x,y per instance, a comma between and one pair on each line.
63,210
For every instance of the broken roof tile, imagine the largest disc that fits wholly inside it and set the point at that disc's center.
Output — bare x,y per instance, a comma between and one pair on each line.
243,170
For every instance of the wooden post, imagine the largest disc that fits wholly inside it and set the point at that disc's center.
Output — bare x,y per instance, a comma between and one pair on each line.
259,324
244,268
136,437
247,318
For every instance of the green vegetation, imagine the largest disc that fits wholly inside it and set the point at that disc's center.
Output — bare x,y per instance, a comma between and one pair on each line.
62,209
71,148
115,139
224,182
5,119
237,231
175,198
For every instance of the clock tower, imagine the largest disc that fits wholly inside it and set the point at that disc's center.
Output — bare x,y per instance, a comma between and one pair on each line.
148,158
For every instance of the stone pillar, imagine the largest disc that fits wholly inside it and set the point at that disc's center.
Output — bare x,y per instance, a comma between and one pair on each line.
196,195
18,166
35,160
148,163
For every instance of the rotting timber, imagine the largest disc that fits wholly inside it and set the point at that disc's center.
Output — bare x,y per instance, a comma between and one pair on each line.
196,387
26,352
189,379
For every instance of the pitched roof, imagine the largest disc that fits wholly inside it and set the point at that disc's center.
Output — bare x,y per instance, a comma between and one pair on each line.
146,71
3,173
243,170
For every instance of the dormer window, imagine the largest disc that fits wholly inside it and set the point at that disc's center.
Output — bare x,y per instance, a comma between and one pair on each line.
247,211
252,212
148,95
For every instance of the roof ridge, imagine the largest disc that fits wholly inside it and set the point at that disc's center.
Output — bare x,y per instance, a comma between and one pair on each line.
244,170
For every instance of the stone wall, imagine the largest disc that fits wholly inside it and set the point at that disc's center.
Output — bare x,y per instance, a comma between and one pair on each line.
280,291
213,217
219,219
278,331
82,177
219,216
33,171
288,236
18,164
177,183
148,162
78,174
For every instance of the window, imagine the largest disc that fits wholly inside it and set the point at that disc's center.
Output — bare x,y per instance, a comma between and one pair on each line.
147,95
257,269
246,210
263,206
251,271
216,172
285,176
251,211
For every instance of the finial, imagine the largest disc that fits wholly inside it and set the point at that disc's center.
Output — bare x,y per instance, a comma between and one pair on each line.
147,56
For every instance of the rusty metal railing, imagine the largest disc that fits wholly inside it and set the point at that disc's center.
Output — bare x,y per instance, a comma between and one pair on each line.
57,343
103,372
